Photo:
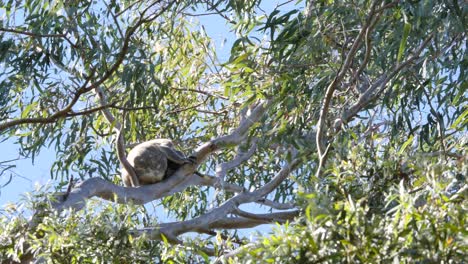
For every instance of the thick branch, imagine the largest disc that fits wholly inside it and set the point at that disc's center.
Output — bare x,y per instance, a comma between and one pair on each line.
220,223
204,221
144,194
97,187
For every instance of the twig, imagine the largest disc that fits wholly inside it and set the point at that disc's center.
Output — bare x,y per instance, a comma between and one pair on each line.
30,34
202,92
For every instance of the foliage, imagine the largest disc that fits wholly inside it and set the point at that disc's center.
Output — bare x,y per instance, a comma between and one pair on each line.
361,127
65,237
423,226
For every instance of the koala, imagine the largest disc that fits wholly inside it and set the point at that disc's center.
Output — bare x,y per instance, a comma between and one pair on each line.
153,161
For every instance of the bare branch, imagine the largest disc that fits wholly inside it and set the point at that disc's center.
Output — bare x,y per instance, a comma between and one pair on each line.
122,156
31,34
277,217
97,187
213,181
222,169
379,85
236,137
276,205
321,124
228,207
201,92
277,180
219,223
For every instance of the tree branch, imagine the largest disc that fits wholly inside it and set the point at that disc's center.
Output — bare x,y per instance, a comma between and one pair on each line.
378,86
222,169
321,124
236,137
178,181
31,34
277,217
85,88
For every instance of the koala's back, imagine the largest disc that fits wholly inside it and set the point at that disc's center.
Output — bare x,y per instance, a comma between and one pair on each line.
148,161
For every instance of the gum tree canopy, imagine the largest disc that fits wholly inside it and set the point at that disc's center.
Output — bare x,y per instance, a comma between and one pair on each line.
344,123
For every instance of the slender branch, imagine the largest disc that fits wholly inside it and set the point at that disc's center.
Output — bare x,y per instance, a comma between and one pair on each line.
85,88
112,105
321,125
31,34
264,217
199,15
114,17
219,12
284,3
276,205
222,169
236,137
89,110
368,45
387,6
202,92
439,119
122,156
128,7
379,85
51,118
178,110
444,153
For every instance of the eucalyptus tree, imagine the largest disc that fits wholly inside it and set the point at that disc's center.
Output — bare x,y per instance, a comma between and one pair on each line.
343,120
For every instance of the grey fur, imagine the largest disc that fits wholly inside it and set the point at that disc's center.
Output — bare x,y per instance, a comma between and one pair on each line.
153,160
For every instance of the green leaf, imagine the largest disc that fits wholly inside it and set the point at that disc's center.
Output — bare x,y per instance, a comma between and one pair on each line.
28,109
401,50
461,119
406,144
